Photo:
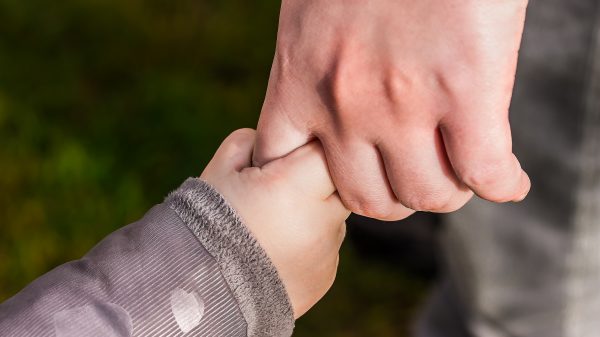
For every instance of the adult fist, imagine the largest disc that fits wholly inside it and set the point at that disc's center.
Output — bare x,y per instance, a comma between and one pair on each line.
409,99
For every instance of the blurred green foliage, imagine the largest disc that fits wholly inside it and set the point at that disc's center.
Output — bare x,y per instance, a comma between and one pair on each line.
106,105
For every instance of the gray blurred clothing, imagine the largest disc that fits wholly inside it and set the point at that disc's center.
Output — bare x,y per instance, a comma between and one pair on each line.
189,267
533,269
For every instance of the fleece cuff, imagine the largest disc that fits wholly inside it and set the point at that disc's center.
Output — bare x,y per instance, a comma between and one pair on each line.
251,275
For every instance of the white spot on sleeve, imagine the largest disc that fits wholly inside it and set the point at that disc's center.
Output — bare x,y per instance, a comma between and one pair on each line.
187,308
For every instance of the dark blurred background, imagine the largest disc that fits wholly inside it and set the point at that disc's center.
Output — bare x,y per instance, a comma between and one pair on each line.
107,105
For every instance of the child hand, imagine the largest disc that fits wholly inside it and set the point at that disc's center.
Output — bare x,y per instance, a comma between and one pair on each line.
291,207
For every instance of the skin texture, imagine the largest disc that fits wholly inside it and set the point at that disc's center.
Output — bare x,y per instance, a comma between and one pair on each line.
409,99
292,208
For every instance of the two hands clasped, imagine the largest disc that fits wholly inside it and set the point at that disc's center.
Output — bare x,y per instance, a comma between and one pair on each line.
409,102
292,208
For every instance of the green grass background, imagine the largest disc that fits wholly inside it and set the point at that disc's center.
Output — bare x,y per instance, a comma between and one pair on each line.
107,105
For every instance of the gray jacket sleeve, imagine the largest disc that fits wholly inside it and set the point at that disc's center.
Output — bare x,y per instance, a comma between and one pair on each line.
189,267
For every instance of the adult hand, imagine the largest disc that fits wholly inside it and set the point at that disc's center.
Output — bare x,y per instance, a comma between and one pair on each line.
409,99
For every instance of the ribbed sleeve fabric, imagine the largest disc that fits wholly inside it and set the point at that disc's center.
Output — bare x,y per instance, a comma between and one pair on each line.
251,275
189,267
150,278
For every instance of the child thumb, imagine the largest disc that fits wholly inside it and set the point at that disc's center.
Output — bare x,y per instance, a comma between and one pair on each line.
235,153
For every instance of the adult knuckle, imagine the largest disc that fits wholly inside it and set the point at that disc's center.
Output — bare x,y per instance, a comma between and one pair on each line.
374,207
396,84
481,177
457,201
488,182
435,201
343,93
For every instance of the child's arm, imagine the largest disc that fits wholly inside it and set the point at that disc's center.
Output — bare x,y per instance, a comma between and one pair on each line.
199,265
